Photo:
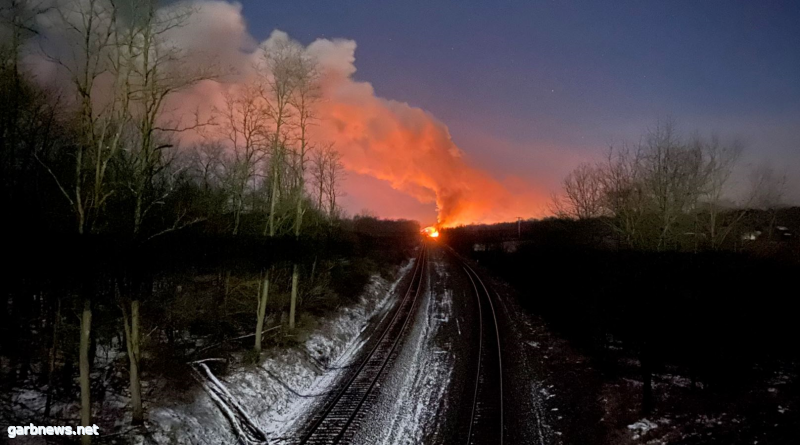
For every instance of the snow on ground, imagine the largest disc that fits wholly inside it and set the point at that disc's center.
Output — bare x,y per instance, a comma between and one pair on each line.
279,392
641,428
416,391
27,403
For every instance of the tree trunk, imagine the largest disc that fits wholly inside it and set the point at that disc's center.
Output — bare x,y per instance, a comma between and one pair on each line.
713,216
262,309
313,272
137,211
133,341
296,269
772,223
85,368
269,230
52,365
293,304
236,213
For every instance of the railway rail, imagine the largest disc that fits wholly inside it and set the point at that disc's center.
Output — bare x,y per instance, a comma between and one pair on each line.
486,422
337,420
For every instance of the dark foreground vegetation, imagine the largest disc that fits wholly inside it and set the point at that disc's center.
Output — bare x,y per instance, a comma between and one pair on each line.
719,322
128,250
198,293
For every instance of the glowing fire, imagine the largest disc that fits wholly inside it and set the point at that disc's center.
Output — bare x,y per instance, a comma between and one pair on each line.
431,232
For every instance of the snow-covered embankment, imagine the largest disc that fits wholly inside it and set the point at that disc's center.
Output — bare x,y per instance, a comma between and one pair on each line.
277,394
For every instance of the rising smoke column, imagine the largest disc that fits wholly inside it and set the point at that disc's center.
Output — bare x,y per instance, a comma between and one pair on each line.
405,146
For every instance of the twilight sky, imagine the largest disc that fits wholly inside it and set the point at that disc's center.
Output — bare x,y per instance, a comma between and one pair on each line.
530,89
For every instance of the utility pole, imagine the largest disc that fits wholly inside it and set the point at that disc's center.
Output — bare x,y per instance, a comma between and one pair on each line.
519,227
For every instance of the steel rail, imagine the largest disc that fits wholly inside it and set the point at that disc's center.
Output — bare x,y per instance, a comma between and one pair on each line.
470,274
353,397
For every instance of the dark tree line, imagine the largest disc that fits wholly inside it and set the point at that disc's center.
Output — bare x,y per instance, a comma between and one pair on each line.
667,186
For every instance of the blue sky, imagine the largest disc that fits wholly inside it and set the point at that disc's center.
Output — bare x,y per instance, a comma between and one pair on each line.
530,88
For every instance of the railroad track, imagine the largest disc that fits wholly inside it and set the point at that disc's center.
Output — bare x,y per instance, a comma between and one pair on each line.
337,422
486,421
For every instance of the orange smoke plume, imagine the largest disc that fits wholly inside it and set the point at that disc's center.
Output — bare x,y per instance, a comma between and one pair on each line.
406,146
382,138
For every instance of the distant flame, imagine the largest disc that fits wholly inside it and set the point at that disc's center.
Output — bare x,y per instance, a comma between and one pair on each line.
431,232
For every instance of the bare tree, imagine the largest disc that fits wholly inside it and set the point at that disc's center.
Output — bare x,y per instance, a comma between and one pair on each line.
242,126
319,166
151,71
335,175
327,174
620,178
205,163
674,175
280,63
303,98
157,72
654,191
583,193
721,159
651,188
18,19
91,28
767,189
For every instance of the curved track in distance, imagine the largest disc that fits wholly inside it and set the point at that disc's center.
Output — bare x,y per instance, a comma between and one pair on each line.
486,422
